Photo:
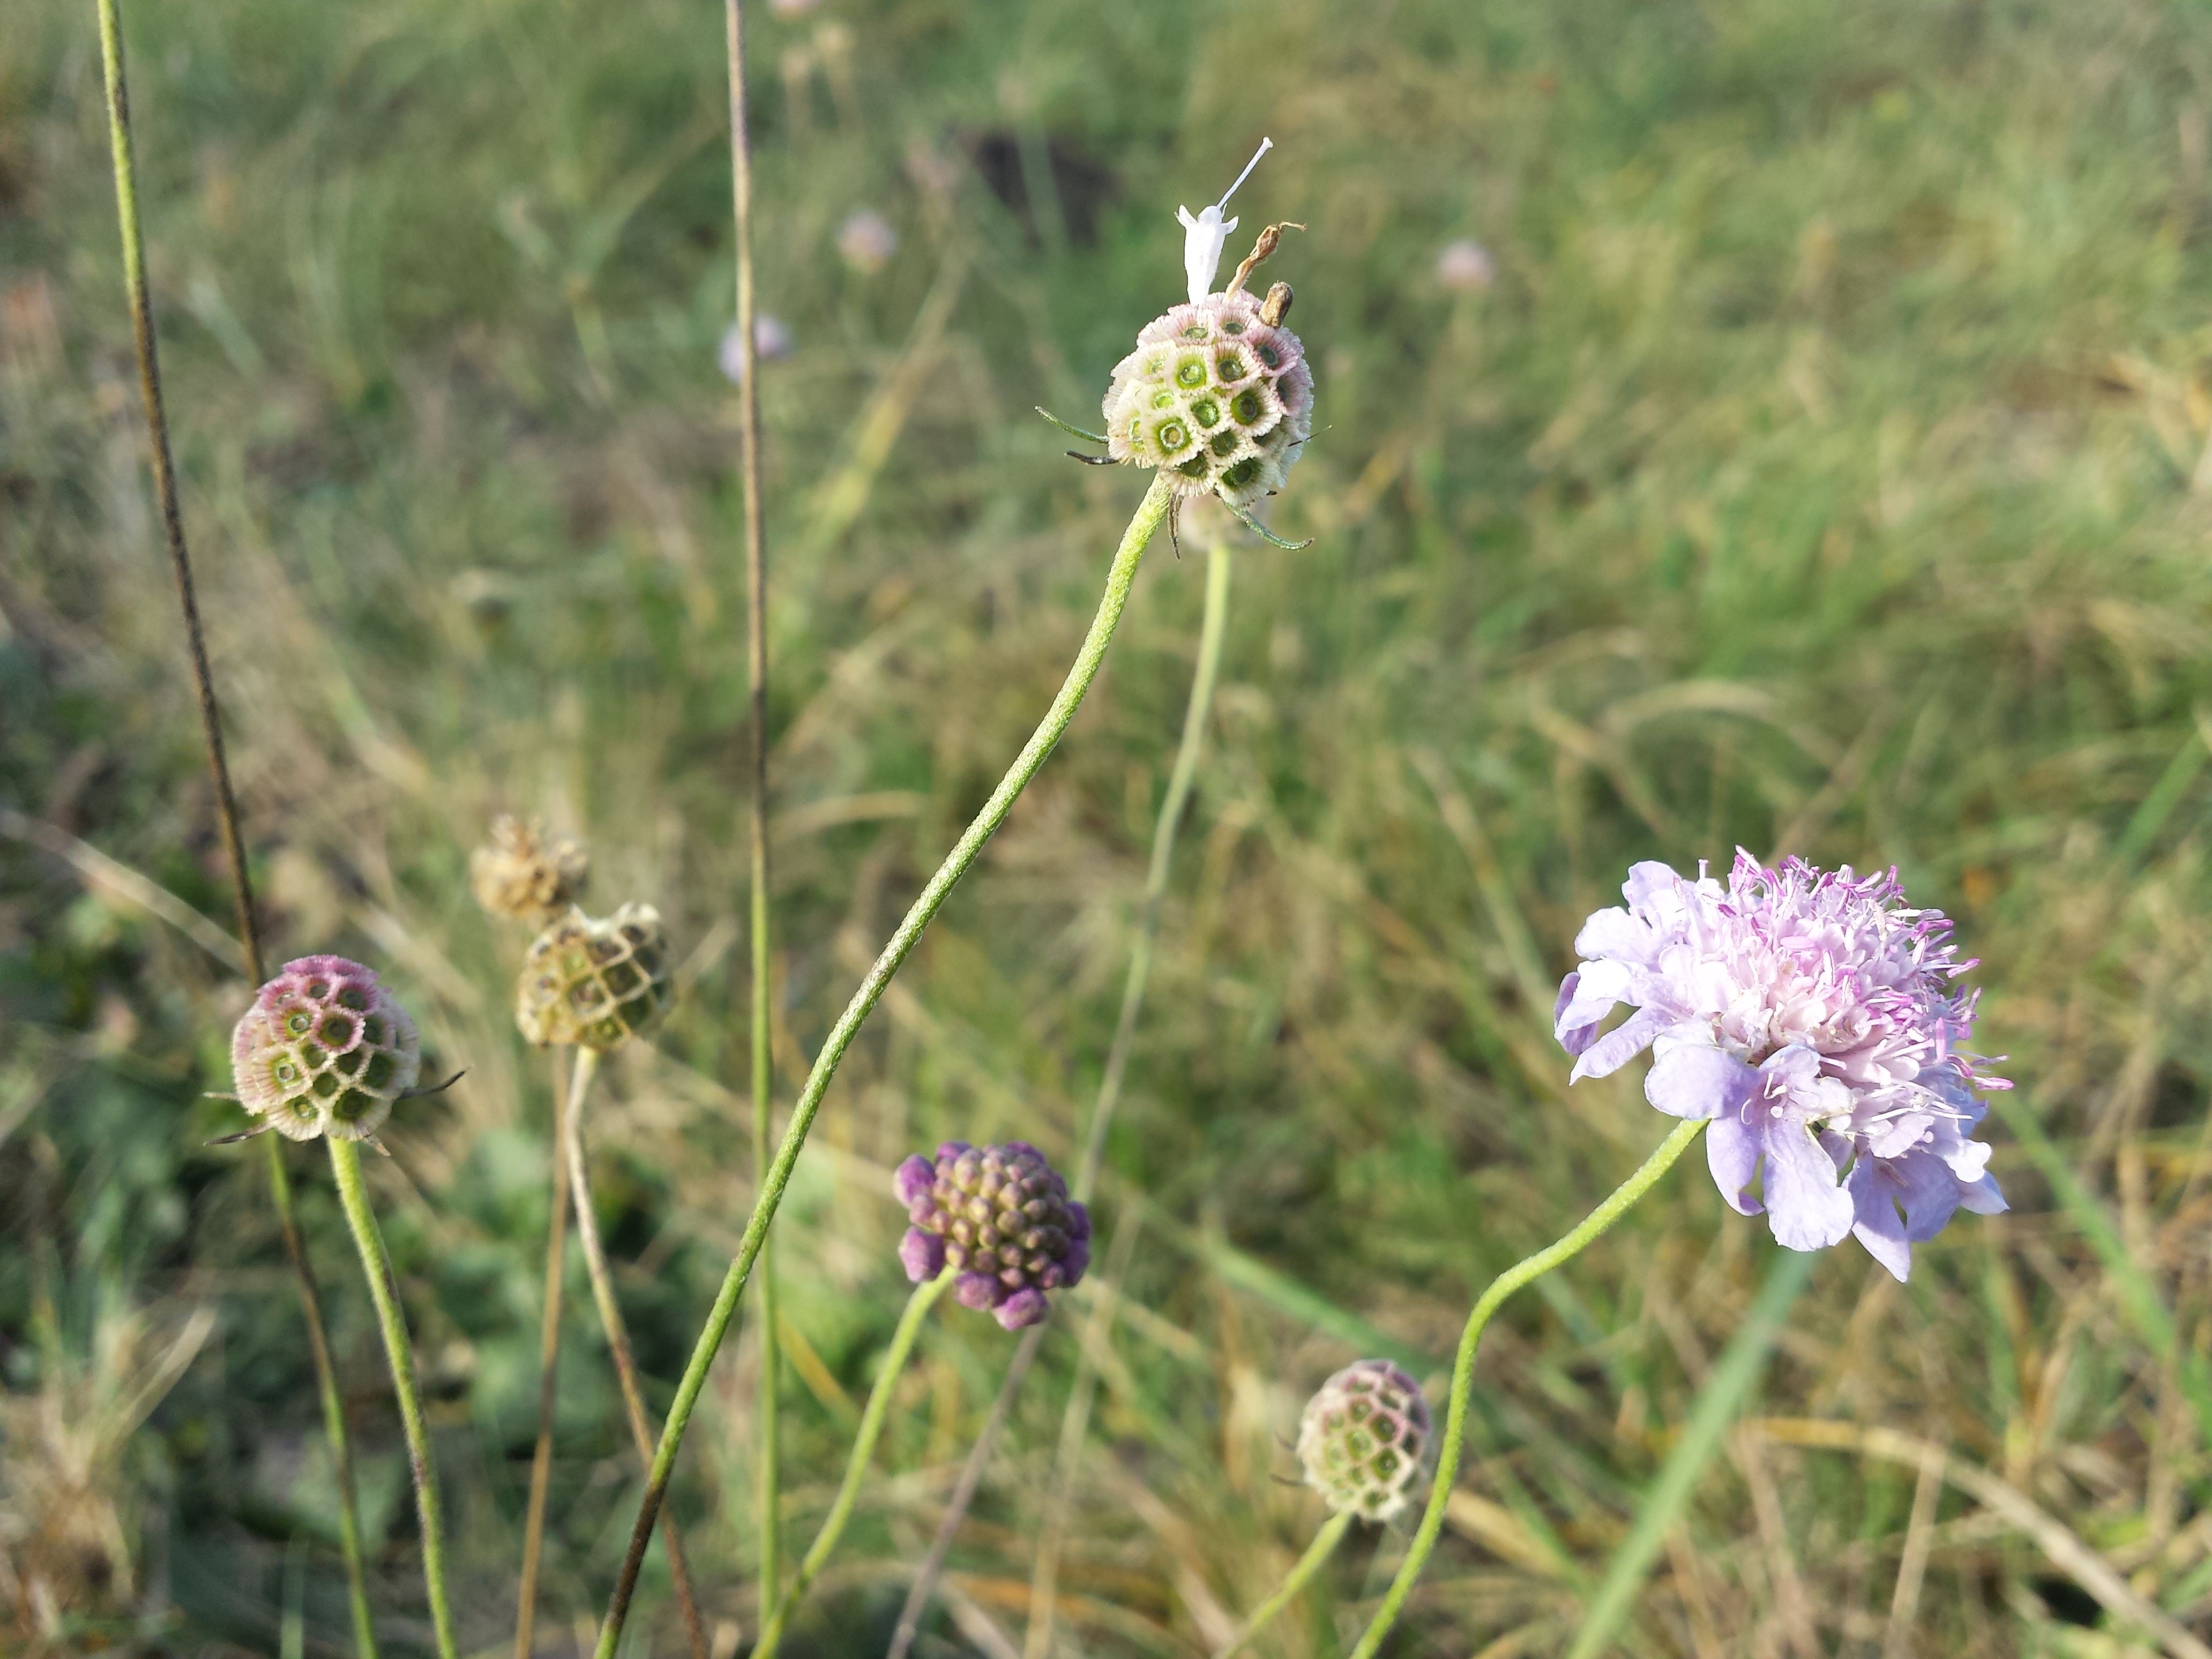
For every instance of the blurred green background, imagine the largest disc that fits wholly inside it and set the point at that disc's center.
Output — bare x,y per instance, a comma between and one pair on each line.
1814,459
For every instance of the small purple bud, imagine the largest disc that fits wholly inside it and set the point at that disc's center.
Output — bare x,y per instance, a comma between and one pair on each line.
913,1180
1003,1222
923,1255
1021,1308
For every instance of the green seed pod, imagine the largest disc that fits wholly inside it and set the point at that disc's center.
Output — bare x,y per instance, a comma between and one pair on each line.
324,1049
1217,397
594,982
523,874
1366,1439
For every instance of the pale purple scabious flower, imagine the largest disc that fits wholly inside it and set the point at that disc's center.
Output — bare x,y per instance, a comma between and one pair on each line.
866,241
1002,1218
1810,1016
772,338
1465,267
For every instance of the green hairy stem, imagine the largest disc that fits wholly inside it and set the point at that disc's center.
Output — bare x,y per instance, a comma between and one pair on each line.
926,1296
1323,1545
376,1264
1618,1204
1120,577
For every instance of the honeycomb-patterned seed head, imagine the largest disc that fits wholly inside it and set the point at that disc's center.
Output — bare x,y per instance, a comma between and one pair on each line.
324,1049
1219,399
1366,1439
593,983
1002,1218
524,873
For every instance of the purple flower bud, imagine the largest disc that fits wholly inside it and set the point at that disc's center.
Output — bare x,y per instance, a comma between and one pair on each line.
1023,1308
923,1255
914,1179
1002,1218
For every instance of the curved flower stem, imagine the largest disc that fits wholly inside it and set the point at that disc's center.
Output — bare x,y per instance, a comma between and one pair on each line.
1121,576
610,1319
334,1423
1075,1423
963,1493
353,1197
748,422
549,1360
1622,1199
1323,1545
926,1296
242,883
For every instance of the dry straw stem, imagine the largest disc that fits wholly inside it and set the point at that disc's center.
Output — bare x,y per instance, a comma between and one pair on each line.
549,1360
2058,1543
1721,1395
249,934
926,1296
768,1507
611,1319
384,1291
963,1493
1120,577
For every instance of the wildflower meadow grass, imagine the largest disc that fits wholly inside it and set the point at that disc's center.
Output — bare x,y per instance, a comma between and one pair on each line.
1704,447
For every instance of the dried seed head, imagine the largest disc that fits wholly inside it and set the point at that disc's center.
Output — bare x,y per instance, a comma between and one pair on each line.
595,982
1000,1216
324,1049
523,873
1216,397
1366,1439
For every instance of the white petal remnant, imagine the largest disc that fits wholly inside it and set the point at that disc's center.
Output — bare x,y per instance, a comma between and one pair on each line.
1810,1016
1205,235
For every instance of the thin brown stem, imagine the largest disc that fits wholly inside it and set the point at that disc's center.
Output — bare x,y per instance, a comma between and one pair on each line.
234,844
741,190
964,1494
602,1291
548,1359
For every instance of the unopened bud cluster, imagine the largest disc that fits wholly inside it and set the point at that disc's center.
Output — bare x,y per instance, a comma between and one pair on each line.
526,874
1216,397
324,1049
1001,1218
595,982
1365,1439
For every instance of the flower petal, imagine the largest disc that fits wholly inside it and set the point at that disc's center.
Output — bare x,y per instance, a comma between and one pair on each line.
1876,1224
1805,1207
1619,1046
1732,1153
1688,1081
